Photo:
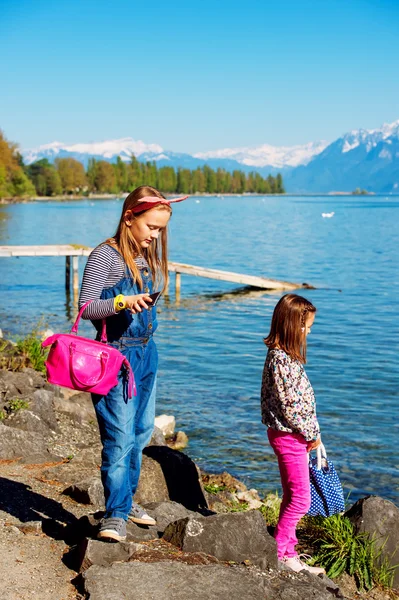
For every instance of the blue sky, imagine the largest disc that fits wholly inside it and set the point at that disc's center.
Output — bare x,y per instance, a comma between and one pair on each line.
195,76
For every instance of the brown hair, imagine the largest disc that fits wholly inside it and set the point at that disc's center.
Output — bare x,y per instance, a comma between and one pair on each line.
124,241
289,317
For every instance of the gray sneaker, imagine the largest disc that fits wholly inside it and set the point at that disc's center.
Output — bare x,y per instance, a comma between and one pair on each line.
113,528
138,515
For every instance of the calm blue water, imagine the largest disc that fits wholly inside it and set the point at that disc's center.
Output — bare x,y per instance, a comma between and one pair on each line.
211,349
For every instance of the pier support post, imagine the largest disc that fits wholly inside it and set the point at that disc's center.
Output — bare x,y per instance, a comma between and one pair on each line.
177,286
75,268
67,273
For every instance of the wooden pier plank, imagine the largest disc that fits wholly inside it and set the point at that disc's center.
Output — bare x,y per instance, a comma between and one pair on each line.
174,267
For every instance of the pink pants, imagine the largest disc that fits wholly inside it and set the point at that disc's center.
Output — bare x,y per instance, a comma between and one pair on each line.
290,449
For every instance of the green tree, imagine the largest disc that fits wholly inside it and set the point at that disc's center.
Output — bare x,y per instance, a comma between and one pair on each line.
183,181
198,182
72,175
44,177
135,174
13,180
121,175
105,179
279,184
167,179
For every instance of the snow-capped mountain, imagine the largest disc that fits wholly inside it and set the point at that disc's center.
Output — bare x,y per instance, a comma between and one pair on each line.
265,155
362,158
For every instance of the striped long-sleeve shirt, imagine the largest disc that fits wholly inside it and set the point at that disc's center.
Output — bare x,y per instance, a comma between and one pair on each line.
104,268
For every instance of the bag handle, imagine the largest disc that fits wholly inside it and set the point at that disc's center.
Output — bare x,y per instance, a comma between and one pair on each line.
104,359
80,313
321,453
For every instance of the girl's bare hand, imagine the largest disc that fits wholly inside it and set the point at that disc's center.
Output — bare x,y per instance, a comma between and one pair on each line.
136,303
313,445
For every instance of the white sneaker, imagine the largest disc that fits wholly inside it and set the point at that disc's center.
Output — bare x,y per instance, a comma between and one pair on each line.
295,564
138,515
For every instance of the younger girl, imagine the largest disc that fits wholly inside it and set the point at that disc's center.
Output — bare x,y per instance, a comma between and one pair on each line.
289,411
119,276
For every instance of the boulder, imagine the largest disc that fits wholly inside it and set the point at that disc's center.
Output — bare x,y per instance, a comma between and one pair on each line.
20,383
178,441
224,480
181,476
166,423
167,512
379,518
78,406
152,486
157,438
229,537
95,552
160,580
29,447
26,420
87,491
251,497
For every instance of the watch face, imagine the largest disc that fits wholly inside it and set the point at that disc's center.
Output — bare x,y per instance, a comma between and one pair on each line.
121,304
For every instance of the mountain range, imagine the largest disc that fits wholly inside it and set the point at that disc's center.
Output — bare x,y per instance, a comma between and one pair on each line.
367,159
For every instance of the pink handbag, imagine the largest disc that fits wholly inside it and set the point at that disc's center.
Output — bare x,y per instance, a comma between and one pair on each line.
84,364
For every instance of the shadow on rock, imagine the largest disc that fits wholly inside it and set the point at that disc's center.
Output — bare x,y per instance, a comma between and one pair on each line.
182,477
18,500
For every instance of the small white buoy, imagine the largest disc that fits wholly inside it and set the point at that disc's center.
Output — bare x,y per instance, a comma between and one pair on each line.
327,215
198,201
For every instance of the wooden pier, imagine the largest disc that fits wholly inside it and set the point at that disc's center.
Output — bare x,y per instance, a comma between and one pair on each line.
75,251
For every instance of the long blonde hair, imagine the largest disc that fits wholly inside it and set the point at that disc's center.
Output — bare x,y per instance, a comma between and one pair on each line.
124,241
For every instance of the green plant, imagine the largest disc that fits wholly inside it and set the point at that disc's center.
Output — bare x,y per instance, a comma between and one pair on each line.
214,488
31,348
338,548
17,404
2,415
270,508
238,507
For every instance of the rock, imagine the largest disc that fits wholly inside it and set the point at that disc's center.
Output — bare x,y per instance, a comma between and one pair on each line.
46,333
167,512
251,497
78,406
224,480
181,477
380,518
166,423
30,447
88,491
26,420
178,441
152,485
178,581
230,537
158,438
140,533
21,383
95,552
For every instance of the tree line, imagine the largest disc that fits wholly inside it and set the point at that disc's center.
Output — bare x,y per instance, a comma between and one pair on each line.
68,176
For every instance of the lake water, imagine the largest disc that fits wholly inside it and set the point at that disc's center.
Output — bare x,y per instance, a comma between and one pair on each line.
211,348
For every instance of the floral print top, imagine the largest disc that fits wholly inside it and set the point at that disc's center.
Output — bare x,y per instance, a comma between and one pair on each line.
287,398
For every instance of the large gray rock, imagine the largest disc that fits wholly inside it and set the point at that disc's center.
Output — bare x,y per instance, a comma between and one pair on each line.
29,447
78,406
39,417
167,512
152,485
87,491
20,383
178,581
26,420
229,537
95,552
379,518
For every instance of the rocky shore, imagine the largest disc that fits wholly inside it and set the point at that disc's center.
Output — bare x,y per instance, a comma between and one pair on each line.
211,539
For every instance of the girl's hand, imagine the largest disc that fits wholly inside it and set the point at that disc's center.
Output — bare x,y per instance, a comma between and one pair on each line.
313,445
136,303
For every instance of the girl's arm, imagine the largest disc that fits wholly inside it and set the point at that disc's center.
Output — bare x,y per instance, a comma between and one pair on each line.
100,265
297,401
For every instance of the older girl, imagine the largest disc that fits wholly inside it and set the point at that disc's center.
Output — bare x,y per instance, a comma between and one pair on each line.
119,277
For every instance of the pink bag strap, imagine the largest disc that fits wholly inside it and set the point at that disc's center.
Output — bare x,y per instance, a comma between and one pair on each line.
132,390
76,324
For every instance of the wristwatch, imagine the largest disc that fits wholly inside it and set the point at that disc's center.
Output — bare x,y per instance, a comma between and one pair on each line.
119,302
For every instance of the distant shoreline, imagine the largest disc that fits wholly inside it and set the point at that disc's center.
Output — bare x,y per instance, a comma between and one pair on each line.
65,198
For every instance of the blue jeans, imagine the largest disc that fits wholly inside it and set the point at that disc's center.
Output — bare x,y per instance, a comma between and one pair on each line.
126,426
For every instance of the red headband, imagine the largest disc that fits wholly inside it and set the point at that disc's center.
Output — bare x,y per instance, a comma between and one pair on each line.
150,201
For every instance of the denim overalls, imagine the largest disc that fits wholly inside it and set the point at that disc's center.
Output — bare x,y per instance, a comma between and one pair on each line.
126,425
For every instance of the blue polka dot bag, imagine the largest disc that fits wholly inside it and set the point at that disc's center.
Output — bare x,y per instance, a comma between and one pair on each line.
327,496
